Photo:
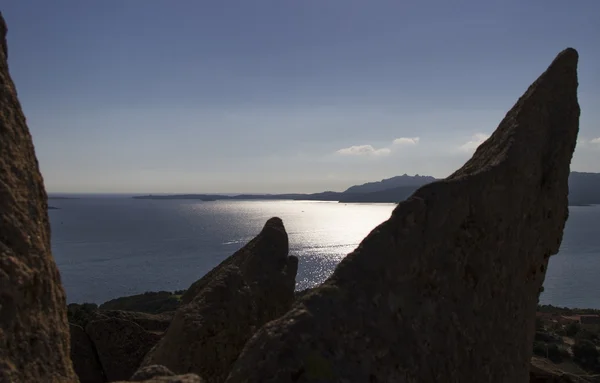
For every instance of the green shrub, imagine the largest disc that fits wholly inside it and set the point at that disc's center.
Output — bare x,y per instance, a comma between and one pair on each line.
81,314
539,348
148,302
585,334
572,329
586,354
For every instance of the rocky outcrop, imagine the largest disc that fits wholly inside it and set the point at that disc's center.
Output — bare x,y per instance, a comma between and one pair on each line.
121,346
221,311
84,357
133,341
34,333
446,289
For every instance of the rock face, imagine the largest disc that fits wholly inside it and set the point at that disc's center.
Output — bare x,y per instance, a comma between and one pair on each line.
446,289
121,346
84,357
221,311
34,334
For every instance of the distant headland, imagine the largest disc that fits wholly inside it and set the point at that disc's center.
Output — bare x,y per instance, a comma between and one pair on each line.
584,190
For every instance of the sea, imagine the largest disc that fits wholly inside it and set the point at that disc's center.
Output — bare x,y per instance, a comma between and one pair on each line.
112,246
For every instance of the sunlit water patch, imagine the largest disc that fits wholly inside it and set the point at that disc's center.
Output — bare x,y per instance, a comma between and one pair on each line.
111,247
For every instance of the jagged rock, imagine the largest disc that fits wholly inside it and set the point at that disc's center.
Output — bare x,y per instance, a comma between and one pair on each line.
121,346
149,322
445,290
34,333
221,311
84,357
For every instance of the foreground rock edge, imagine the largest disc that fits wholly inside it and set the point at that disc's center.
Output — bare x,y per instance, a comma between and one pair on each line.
34,333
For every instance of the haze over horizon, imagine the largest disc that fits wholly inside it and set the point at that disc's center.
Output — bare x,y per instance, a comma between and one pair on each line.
278,97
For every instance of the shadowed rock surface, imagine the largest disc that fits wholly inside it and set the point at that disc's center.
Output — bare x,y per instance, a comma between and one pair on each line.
446,289
121,346
34,333
221,311
84,357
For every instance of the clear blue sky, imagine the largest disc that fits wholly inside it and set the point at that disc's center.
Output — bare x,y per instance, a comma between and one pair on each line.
281,95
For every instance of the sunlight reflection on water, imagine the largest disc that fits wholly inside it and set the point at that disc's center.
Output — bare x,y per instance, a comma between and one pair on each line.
111,247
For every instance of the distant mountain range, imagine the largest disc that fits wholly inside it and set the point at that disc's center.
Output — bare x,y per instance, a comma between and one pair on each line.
584,189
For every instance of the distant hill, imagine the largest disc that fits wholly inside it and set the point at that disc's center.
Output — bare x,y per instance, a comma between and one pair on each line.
397,194
390,183
584,189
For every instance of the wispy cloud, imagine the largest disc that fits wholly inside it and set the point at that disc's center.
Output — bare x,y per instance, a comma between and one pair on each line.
595,141
476,140
363,150
406,141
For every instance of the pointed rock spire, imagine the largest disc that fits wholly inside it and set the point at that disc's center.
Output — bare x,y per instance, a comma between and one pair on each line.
447,288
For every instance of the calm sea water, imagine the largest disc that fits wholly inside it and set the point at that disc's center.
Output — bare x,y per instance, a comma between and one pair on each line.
111,247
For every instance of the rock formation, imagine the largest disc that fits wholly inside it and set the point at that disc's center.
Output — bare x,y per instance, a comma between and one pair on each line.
221,311
121,346
34,333
446,289
85,359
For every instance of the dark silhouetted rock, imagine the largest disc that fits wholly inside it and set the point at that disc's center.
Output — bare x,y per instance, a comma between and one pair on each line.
84,357
221,311
121,346
445,290
34,333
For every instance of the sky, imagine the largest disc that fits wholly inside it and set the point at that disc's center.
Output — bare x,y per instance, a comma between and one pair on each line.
147,96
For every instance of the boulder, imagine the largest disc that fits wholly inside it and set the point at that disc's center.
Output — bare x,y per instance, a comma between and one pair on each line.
84,357
34,333
121,346
221,311
447,288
